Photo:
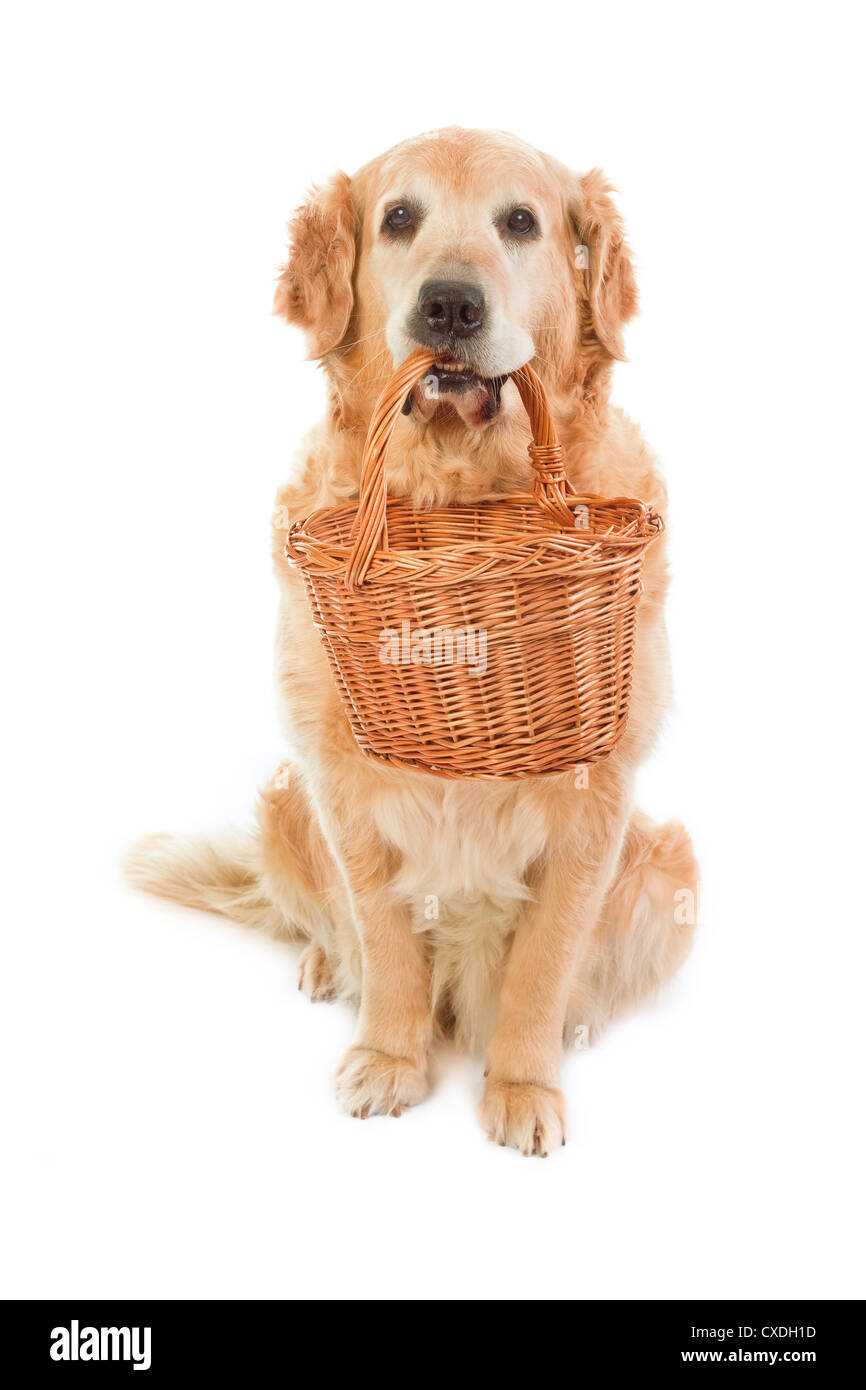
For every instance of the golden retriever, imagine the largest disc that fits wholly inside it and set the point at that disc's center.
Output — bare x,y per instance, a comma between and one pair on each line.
509,915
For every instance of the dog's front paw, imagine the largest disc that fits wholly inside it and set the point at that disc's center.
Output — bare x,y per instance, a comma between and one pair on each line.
373,1083
526,1117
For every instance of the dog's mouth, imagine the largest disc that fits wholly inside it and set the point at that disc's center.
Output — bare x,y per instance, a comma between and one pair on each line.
453,383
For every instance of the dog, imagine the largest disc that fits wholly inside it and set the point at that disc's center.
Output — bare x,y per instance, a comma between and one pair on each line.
510,916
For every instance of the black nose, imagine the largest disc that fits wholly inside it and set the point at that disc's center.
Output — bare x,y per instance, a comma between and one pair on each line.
449,308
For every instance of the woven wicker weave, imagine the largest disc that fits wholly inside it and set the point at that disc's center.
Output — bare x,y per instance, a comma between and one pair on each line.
546,584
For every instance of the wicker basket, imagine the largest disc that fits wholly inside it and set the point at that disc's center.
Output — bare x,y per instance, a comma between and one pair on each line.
488,641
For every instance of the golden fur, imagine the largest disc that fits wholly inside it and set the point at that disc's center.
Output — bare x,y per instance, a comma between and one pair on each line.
512,914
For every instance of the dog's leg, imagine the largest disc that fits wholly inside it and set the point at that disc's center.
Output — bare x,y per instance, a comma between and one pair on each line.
385,1070
522,1105
645,928
303,880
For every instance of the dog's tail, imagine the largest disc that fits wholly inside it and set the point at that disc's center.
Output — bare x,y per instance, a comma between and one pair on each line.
222,875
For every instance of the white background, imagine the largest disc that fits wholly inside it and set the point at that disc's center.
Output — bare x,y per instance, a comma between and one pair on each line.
170,1123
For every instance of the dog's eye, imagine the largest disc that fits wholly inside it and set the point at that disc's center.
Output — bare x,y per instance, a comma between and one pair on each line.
399,219
520,221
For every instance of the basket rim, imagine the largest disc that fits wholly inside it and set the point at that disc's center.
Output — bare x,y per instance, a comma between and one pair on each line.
501,500
550,550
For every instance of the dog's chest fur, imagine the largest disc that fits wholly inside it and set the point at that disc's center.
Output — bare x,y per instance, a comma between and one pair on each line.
465,853
459,841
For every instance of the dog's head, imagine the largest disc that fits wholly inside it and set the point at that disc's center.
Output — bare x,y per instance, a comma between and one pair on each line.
471,243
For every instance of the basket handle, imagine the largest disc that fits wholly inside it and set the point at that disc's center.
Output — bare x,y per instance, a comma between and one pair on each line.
370,529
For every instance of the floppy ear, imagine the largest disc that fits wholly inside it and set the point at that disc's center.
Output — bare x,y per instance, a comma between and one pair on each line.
315,285
612,288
